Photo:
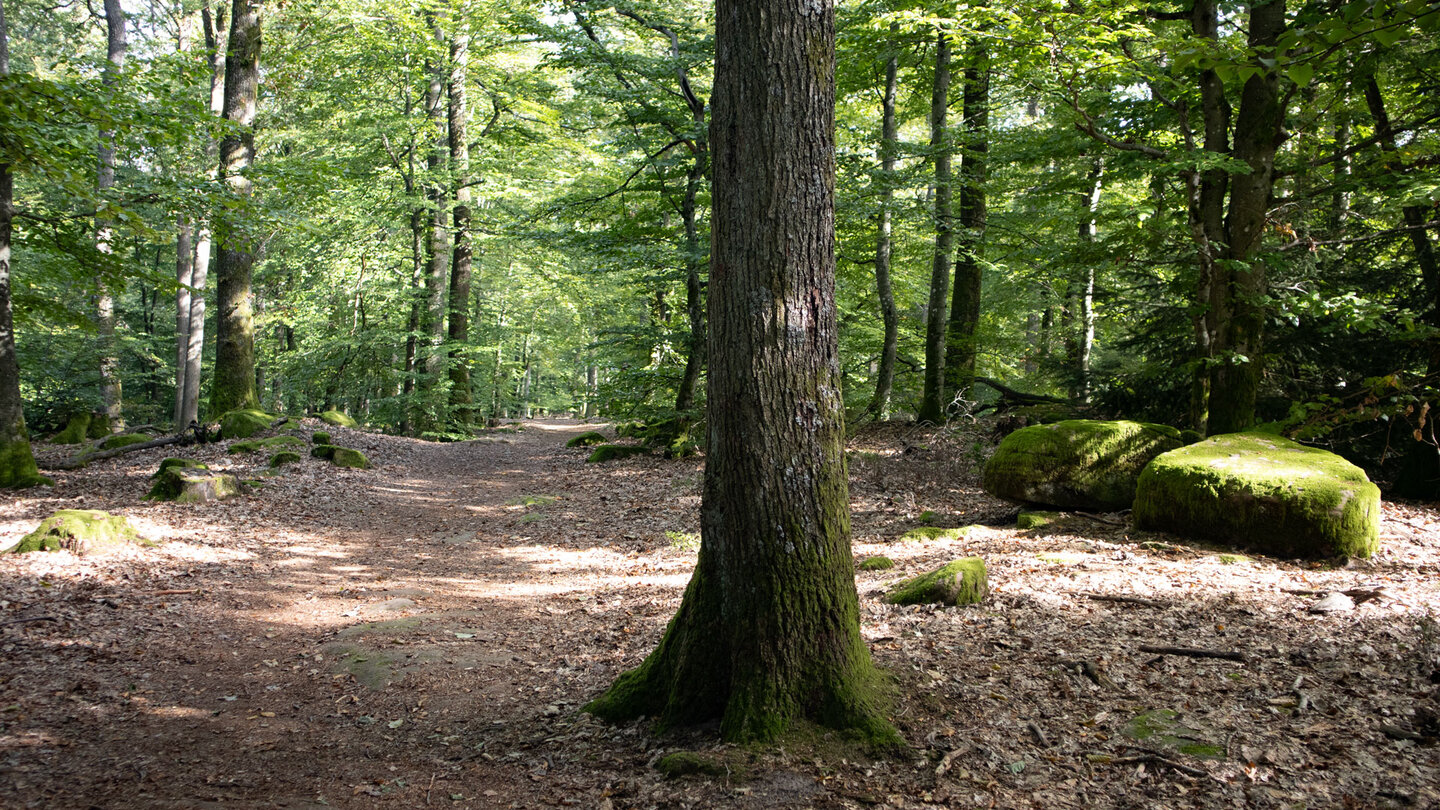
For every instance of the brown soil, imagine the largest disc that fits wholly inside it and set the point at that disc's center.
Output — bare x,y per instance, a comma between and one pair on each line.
423,634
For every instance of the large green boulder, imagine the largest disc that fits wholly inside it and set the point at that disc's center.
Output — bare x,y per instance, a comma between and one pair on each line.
82,531
962,582
271,444
341,456
338,419
1262,491
1076,464
244,423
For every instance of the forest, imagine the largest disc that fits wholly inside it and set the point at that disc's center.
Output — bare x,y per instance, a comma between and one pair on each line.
666,405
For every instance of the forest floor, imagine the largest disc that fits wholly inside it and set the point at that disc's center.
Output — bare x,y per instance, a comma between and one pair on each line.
423,634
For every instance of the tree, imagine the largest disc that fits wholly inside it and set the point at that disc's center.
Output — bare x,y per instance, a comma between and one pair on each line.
460,262
965,299
932,402
879,407
110,385
234,377
768,631
17,462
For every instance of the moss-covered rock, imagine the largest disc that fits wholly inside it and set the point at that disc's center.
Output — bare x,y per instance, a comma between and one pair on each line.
338,419
341,456
688,763
1035,520
183,463
193,483
123,440
272,443
82,531
282,458
244,423
320,437
876,563
961,582
936,533
1076,464
1262,491
325,451
587,439
610,452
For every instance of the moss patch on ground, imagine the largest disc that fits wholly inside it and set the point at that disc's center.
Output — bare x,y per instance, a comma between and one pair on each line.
1162,728
610,452
81,531
1036,520
961,582
1262,491
123,440
936,533
320,437
877,563
282,458
1076,464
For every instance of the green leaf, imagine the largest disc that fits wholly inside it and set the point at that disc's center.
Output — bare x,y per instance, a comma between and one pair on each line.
1300,73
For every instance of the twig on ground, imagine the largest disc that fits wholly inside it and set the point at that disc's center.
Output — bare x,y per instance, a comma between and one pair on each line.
1127,600
24,619
1193,652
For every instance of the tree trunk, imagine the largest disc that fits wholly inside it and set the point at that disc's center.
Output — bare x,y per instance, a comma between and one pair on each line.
592,390
1240,309
110,388
768,631
460,401
412,324
1080,337
1415,216
234,383
17,462
436,248
889,140
965,303
694,298
932,402
185,280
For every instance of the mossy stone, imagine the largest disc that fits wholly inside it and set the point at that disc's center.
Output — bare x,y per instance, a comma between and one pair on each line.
183,463
193,484
345,457
338,419
244,423
1162,728
82,531
876,563
1262,491
1035,520
325,451
320,437
282,458
271,443
123,440
688,763
610,452
586,439
1076,464
961,582
936,533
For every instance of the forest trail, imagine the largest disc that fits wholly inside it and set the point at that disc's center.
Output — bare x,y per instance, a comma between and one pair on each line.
423,634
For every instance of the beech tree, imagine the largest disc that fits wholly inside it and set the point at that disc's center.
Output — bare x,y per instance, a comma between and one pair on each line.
768,632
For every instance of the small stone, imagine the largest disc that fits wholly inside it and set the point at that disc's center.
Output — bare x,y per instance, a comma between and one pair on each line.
1336,602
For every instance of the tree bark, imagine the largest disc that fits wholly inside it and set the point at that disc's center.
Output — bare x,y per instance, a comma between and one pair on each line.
234,382
185,281
111,391
768,631
436,247
460,265
889,141
1082,295
932,402
965,302
17,461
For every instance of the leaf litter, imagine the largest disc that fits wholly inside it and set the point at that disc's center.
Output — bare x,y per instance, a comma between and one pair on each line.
425,634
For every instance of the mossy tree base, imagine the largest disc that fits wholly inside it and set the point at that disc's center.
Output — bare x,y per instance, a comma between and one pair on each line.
17,466
186,481
82,532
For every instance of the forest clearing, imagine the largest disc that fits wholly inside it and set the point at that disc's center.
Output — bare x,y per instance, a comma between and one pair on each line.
424,634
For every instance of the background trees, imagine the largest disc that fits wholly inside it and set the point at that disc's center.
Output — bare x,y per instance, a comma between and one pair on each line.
1201,213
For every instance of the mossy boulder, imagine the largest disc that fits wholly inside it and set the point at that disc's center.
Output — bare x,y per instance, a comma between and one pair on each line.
338,419
961,582
282,458
587,439
877,563
320,437
192,482
341,456
610,452
936,533
1262,491
123,440
272,443
244,423
82,531
1076,464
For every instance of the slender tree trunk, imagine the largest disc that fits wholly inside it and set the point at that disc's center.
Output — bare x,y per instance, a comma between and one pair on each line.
1081,335
17,462
768,631
1239,350
1415,216
694,297
1340,196
889,141
234,383
932,402
436,248
460,266
592,390
412,324
965,303
185,280
110,387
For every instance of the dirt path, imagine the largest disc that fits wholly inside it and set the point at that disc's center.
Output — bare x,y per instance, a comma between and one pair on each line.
422,635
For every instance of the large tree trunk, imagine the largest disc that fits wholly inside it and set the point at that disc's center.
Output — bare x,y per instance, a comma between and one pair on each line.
1238,303
17,462
932,402
965,303
879,407
460,265
234,383
110,388
768,631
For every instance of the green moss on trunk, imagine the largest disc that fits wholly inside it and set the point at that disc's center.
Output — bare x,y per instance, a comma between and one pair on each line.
17,466
76,430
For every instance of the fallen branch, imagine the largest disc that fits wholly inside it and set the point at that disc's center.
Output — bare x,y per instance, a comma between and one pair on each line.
1010,397
1193,652
79,461
1127,600
25,619
1147,755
